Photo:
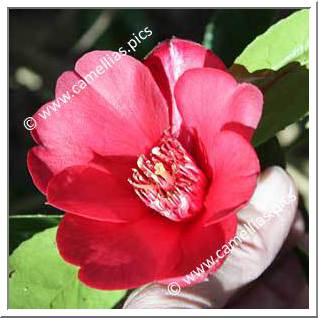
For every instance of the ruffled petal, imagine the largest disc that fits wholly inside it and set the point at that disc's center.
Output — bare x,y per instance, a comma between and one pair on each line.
98,191
119,112
119,256
211,100
235,168
170,59
202,250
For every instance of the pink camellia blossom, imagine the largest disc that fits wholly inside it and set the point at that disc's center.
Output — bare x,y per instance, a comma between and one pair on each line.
151,163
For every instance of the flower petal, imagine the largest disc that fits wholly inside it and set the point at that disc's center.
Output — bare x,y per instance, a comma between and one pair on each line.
98,191
211,100
235,168
199,245
119,256
121,112
135,98
170,59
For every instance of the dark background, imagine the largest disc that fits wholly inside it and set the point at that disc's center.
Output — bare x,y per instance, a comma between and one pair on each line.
45,43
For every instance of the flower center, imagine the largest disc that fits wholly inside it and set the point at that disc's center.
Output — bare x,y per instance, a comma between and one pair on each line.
169,181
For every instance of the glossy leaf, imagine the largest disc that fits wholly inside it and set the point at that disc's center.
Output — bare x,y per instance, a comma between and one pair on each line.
231,30
39,278
22,227
285,42
270,154
276,62
286,101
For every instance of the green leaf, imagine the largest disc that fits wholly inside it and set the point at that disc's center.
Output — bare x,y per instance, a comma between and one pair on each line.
286,100
270,154
39,278
277,63
231,30
22,227
285,42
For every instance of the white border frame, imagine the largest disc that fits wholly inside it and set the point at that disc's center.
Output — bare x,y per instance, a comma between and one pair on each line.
147,312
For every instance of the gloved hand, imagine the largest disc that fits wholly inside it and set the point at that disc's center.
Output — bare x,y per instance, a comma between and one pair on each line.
236,284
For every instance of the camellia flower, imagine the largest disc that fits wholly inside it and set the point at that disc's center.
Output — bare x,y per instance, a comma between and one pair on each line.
150,162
